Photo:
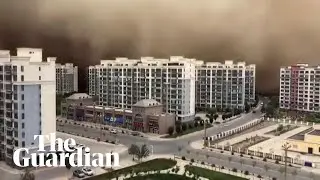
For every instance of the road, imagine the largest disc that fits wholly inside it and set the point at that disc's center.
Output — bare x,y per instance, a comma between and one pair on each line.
161,146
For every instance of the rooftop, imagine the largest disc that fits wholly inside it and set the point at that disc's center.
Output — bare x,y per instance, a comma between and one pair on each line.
315,132
79,96
147,103
300,135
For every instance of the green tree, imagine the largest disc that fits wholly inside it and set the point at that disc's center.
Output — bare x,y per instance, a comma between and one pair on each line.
215,116
246,107
178,129
210,114
140,151
133,150
27,175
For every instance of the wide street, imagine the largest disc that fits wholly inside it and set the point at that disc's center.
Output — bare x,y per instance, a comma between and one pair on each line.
160,145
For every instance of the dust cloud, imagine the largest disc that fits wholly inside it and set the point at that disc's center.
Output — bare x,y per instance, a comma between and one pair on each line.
269,33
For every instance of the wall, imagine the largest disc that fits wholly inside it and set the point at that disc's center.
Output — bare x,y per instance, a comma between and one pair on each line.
301,146
31,112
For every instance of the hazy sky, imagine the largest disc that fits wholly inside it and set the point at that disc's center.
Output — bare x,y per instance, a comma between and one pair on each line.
269,33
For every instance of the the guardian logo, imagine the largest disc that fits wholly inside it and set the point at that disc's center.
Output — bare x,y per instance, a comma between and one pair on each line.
43,158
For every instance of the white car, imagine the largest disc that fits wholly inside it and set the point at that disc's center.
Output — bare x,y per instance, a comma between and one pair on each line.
87,171
113,131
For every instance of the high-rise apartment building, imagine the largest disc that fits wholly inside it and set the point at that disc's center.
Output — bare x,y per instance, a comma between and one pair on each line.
180,84
224,85
66,78
27,99
300,88
123,82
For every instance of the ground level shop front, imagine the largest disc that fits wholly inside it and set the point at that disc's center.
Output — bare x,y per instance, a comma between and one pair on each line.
145,116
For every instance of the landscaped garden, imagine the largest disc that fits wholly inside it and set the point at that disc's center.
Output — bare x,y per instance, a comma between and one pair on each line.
212,175
282,129
152,165
160,177
249,142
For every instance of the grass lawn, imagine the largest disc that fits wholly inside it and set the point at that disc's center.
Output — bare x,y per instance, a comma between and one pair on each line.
212,175
152,165
187,131
160,177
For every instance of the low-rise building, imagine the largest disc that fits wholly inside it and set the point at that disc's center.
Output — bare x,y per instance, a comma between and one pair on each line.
145,116
307,142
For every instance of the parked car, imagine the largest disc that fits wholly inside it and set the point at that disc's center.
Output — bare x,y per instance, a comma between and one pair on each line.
78,173
87,171
113,131
135,133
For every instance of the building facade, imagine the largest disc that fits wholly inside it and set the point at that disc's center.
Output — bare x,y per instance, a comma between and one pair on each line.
224,85
122,82
300,88
66,78
27,99
145,116
180,84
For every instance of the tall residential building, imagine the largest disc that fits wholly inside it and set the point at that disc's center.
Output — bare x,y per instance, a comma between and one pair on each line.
27,99
300,88
123,82
66,78
228,85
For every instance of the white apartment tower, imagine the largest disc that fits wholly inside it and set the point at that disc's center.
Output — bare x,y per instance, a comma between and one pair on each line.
66,78
224,85
27,99
123,82
300,88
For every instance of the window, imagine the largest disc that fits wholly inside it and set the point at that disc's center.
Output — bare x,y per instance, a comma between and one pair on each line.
22,106
22,68
23,135
39,68
39,77
22,77
23,144
22,87
22,125
22,116
22,97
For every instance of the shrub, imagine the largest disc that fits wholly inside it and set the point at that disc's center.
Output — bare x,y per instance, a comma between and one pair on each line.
178,129
246,173
274,178
190,126
98,139
183,158
290,165
192,160
222,167
184,127
259,176
277,162
213,165
202,162
113,142
221,151
241,155
264,159
232,153
234,170
251,157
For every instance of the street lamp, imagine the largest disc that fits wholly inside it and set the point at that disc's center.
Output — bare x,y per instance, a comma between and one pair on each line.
286,146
